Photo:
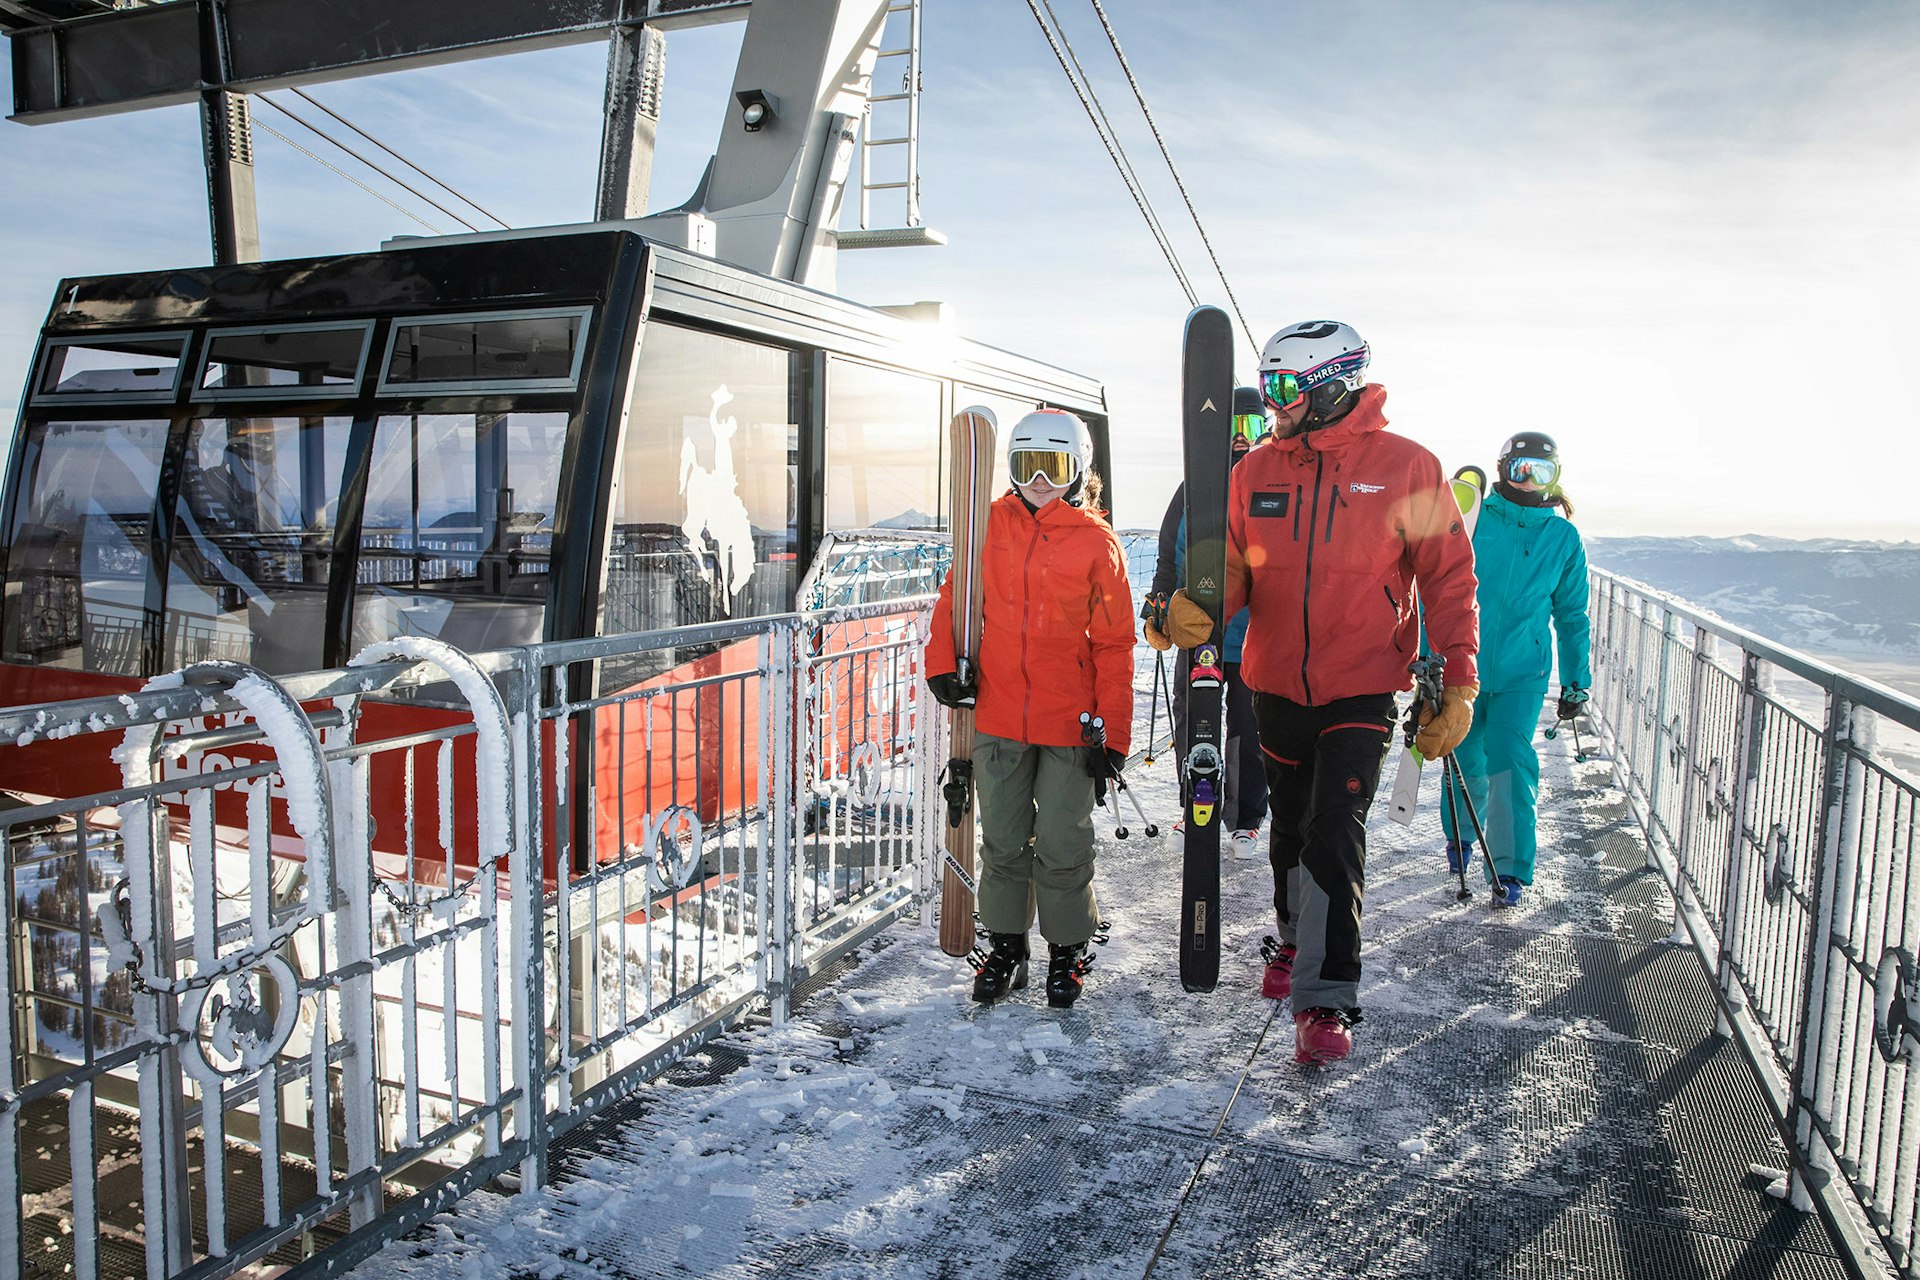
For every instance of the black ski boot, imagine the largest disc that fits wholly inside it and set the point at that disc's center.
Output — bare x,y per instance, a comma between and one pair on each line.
1067,965
1001,970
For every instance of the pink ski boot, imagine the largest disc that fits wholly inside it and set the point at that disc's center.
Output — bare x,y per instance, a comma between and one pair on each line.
1277,982
1321,1036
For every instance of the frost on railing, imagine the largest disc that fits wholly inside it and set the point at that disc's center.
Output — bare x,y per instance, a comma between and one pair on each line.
1778,795
339,947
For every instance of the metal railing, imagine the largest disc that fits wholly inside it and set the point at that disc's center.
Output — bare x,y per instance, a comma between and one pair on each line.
1788,834
306,977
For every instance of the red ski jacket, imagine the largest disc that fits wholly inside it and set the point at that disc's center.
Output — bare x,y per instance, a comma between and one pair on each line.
1329,536
1058,627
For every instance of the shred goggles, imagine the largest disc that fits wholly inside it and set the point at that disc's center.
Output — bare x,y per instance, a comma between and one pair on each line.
1059,466
1282,389
1541,471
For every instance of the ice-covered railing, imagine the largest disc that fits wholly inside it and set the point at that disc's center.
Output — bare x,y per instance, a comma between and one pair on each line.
1778,795
341,947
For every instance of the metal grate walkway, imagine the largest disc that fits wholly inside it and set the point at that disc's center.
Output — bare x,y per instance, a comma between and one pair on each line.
1533,1093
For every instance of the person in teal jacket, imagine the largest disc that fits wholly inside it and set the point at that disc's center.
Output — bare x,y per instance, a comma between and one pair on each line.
1532,570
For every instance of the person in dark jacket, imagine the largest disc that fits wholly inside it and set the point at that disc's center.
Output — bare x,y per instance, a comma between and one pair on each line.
1057,642
1532,572
1246,803
1333,525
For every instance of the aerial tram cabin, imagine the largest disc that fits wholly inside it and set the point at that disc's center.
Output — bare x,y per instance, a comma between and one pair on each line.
493,442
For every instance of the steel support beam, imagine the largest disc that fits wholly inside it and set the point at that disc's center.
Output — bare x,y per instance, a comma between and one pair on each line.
151,56
226,142
636,66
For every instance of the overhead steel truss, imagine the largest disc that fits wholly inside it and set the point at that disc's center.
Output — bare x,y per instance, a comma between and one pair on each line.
78,58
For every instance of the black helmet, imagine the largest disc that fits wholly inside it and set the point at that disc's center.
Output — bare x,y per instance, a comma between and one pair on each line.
1249,418
1530,455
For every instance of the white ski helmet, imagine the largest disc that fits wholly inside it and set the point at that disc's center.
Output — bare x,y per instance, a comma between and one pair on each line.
1053,443
1321,361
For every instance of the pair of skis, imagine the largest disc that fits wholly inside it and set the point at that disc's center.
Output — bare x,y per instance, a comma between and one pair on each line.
970,443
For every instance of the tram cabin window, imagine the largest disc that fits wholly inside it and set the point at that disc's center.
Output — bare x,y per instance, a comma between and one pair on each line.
254,541
80,544
705,512
146,367
524,350
458,528
884,441
304,359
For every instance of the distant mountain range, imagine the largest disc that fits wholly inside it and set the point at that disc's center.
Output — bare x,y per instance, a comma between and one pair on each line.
1825,595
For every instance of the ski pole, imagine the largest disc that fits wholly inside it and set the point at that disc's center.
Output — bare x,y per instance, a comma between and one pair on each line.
1453,820
1579,752
1093,733
1451,768
1153,701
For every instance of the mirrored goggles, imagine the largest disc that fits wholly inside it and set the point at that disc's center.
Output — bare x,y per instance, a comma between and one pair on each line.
1282,389
1059,466
1540,471
1249,427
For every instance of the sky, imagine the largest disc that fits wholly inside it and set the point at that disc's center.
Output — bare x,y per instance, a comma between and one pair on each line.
1682,239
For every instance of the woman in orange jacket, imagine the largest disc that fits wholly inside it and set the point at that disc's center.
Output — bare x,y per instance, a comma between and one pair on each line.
1057,643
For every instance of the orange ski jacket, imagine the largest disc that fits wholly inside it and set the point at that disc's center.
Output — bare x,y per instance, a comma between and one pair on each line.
1057,635
1330,535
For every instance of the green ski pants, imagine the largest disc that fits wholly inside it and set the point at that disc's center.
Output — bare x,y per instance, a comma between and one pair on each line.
1055,872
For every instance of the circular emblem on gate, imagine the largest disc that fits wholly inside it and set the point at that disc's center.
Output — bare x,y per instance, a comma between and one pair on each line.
1896,1005
675,844
240,1020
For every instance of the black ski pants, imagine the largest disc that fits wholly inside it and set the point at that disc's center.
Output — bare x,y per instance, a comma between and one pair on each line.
1246,804
1323,765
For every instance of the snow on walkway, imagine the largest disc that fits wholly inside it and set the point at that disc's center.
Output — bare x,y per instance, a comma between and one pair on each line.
1497,1112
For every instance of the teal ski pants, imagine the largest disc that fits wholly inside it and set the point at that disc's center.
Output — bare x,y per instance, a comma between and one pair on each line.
1502,773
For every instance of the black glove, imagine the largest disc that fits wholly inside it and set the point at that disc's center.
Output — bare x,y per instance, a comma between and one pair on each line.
949,692
1571,700
1104,762
1154,610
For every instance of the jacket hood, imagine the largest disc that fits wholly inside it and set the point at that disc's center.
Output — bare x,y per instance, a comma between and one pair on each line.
1369,414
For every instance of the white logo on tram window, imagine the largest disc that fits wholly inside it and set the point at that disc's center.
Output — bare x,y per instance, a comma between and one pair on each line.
715,510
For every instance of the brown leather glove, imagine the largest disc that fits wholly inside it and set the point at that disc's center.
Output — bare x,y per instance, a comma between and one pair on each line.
1155,637
1187,623
1441,733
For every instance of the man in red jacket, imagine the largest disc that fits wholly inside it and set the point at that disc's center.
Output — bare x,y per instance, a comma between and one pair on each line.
1340,534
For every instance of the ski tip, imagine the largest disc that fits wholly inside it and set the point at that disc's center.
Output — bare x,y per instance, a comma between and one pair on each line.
980,411
1198,987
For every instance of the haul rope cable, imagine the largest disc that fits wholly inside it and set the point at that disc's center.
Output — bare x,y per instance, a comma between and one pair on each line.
1115,152
442,183
1161,142
397,181
403,210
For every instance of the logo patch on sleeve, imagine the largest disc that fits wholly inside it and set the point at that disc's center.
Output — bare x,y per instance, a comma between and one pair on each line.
1269,504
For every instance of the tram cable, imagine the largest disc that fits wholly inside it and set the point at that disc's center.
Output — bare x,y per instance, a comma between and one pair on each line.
1166,155
444,185
1089,101
406,212
315,129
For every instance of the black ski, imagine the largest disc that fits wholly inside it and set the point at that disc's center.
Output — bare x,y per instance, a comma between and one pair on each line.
1206,401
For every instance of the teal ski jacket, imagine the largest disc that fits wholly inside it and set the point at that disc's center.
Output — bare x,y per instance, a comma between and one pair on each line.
1532,570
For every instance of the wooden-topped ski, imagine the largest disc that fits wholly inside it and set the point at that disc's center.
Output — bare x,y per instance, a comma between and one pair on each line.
1206,402
970,443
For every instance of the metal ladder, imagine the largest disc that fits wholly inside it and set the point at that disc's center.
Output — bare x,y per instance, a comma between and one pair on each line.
911,230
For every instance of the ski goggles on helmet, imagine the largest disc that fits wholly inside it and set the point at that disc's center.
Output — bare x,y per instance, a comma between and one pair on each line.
1059,466
1540,471
1282,389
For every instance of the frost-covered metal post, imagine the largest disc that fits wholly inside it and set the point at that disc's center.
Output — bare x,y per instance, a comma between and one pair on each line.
787,718
527,912
1749,752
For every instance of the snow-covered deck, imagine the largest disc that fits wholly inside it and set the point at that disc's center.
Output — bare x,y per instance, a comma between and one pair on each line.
1533,1093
